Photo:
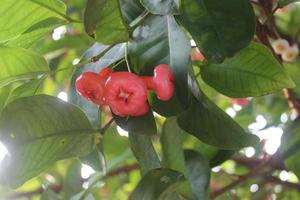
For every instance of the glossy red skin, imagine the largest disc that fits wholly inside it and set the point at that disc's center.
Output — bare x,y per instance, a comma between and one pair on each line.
126,94
162,82
91,86
106,72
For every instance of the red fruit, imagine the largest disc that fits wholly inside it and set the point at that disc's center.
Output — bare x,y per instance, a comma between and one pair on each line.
91,86
126,94
241,102
106,72
162,82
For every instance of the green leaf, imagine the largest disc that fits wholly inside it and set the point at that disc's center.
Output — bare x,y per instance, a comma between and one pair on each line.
219,28
19,16
96,159
293,70
70,42
38,131
207,122
5,93
161,41
35,32
140,129
131,9
157,182
27,89
103,21
198,174
251,72
219,157
288,23
84,195
20,64
138,125
171,144
49,194
283,3
166,108
211,125
159,7
214,155
114,54
73,180
112,154
143,150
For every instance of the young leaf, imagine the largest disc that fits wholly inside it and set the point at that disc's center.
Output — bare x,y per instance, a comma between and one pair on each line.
161,41
219,28
157,182
37,132
252,72
159,7
103,21
27,89
35,32
18,16
20,64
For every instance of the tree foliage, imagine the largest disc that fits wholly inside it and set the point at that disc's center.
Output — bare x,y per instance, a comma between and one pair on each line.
219,136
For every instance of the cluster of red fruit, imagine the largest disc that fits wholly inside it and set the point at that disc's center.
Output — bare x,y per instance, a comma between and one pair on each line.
124,92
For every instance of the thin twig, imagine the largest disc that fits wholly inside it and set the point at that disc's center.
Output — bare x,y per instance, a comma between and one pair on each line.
254,172
58,188
106,126
90,60
293,102
139,20
273,179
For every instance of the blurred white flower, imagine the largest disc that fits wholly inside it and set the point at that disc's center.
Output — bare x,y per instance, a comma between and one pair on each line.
280,46
291,54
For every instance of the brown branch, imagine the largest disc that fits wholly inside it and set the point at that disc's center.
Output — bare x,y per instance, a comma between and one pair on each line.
275,163
57,188
258,170
273,179
293,101
106,126
122,170
262,33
